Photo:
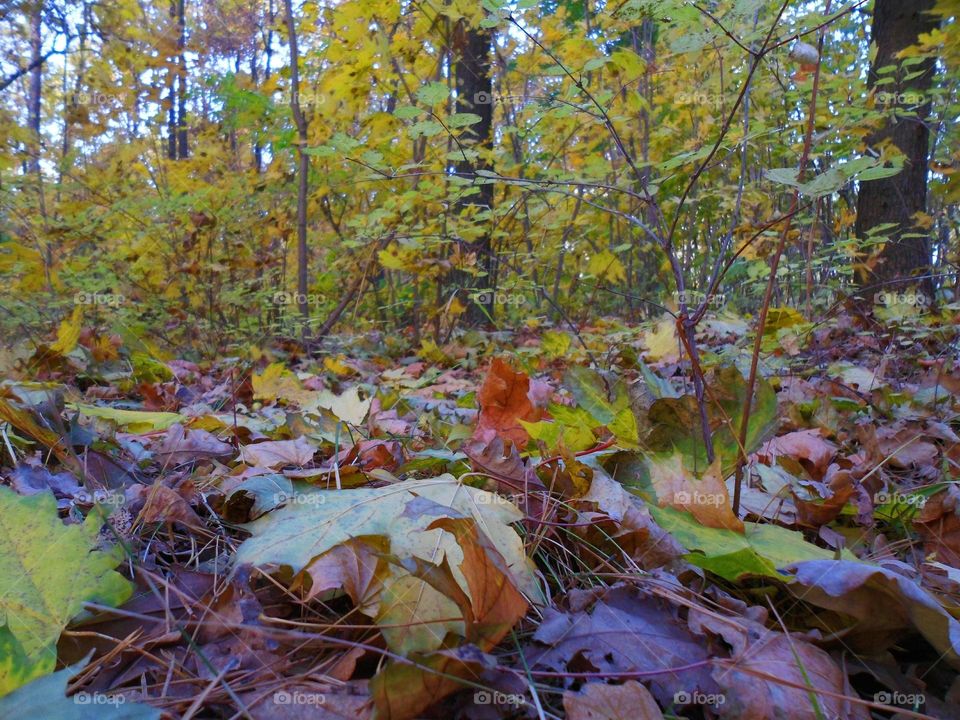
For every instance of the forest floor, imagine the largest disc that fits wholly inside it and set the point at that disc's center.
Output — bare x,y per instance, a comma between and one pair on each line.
517,524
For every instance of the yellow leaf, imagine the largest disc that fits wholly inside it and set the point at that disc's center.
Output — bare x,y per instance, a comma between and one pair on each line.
778,318
276,382
662,341
69,332
455,307
337,366
606,266
555,344
430,351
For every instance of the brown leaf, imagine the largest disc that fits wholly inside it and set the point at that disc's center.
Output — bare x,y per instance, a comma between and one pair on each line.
279,453
180,446
899,447
490,609
705,498
874,607
353,566
622,631
939,525
598,701
806,446
350,701
162,505
504,401
630,526
511,472
401,691
759,657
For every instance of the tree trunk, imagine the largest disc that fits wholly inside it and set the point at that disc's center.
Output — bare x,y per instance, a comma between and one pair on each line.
36,85
182,149
171,80
303,170
896,25
474,84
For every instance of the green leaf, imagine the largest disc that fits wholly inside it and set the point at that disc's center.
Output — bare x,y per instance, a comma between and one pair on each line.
590,392
433,93
761,551
48,570
47,698
676,421
463,119
294,535
16,668
783,176
135,421
425,128
407,112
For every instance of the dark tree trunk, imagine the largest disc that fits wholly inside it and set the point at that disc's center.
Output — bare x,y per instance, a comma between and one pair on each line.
303,169
36,84
906,255
182,149
474,81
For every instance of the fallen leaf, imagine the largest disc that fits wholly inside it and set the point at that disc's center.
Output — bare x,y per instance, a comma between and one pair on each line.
705,498
803,445
180,445
883,605
48,570
504,401
46,697
759,658
598,701
620,630
279,453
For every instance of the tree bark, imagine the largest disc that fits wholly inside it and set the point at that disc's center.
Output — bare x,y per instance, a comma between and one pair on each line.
303,170
182,149
906,255
474,83
36,84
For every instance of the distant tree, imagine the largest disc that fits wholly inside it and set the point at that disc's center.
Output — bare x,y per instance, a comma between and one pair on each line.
896,200
473,47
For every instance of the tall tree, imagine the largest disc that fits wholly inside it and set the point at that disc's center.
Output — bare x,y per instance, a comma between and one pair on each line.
36,83
474,81
304,165
897,24
182,149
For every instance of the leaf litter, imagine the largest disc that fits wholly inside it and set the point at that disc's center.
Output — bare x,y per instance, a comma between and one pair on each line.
528,534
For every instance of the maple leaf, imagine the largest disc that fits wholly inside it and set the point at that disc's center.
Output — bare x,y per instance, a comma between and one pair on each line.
504,401
48,570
